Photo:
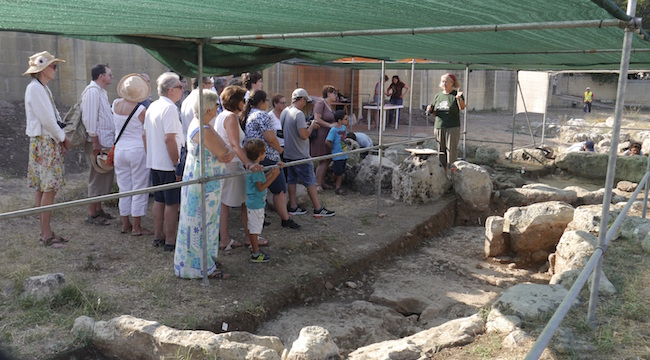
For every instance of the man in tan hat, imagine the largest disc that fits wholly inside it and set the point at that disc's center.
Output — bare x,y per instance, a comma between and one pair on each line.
97,117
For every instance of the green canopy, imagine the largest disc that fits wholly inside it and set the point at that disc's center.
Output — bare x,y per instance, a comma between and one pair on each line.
248,35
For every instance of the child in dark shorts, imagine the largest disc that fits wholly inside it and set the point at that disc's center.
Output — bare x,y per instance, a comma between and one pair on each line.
336,142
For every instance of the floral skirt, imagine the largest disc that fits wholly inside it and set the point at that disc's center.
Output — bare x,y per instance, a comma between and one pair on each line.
45,168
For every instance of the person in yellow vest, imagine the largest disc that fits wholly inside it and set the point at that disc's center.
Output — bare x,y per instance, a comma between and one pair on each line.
587,98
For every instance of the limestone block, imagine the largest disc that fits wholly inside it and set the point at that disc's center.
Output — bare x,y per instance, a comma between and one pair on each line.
594,165
533,156
472,184
626,186
43,286
127,337
419,179
529,301
536,193
487,155
499,323
573,250
536,227
315,343
366,180
495,238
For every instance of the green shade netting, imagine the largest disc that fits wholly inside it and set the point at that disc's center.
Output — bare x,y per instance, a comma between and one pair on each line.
182,23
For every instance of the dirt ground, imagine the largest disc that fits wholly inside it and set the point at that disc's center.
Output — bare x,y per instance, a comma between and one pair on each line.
110,274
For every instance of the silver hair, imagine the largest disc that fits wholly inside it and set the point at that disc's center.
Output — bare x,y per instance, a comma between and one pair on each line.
166,82
209,102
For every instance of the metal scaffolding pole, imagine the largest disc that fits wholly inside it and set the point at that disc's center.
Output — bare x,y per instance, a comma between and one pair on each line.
514,116
611,165
427,30
380,126
466,86
204,243
411,97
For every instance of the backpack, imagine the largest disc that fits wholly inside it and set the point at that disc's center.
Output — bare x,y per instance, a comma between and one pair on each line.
74,128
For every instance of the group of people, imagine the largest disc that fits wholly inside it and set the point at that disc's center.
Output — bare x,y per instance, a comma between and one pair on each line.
395,93
152,139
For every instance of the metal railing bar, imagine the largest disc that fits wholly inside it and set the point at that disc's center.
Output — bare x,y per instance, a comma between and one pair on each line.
90,200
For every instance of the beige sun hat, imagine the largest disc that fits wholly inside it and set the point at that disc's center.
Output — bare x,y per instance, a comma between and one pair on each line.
99,163
38,62
134,88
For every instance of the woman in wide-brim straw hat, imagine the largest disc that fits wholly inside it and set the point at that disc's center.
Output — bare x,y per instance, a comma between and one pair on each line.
130,160
47,141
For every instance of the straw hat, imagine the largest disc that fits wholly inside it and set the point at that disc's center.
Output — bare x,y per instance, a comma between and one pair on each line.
99,163
134,88
38,62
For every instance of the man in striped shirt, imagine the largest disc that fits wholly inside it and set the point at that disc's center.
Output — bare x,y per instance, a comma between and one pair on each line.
97,117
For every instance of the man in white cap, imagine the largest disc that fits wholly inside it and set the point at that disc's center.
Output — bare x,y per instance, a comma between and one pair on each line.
587,98
97,117
296,147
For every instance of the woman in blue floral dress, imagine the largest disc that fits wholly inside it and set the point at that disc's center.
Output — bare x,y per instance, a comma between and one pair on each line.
189,246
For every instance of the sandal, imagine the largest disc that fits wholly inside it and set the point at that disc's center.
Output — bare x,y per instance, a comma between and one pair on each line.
340,192
142,231
53,242
158,242
58,238
218,274
105,215
97,220
231,245
319,189
127,230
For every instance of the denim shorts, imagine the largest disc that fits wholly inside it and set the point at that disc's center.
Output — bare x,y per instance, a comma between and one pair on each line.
304,173
338,166
169,196
280,183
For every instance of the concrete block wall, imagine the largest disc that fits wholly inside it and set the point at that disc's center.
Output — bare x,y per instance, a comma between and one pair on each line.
74,75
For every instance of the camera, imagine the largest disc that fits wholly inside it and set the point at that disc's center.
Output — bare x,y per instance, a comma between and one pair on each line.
61,124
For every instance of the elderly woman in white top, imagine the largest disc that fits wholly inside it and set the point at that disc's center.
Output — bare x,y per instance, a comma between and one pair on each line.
47,141
130,156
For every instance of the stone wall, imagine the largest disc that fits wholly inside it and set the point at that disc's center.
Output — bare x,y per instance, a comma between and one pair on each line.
74,75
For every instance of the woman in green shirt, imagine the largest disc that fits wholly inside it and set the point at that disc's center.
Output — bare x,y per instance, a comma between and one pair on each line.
446,108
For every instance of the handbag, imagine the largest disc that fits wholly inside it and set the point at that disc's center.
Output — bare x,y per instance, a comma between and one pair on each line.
111,154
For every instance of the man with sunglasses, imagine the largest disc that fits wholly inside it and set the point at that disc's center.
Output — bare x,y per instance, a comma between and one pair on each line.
97,117
163,137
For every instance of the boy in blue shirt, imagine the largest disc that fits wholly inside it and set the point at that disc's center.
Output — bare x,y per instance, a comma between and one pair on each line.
256,185
336,141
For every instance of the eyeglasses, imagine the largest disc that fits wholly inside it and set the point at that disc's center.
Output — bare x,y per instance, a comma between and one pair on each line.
282,102
179,86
